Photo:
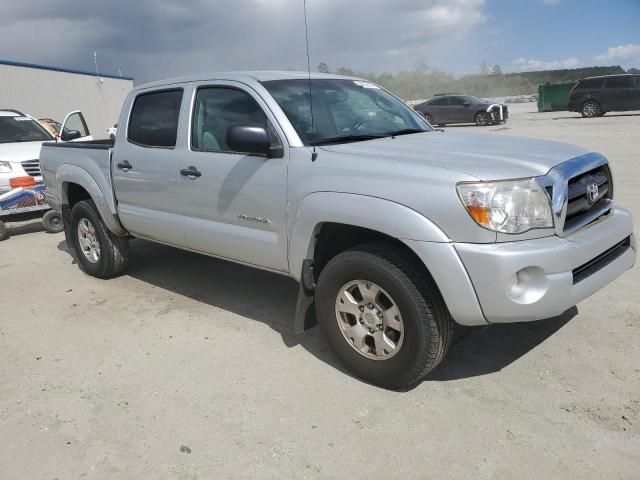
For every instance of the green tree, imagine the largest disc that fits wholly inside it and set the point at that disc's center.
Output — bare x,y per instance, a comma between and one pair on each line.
323,68
496,70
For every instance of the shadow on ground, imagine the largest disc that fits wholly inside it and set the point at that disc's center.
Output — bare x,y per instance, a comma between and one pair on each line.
23,225
270,298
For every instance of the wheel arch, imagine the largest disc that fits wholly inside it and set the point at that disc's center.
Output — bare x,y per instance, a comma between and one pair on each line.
76,184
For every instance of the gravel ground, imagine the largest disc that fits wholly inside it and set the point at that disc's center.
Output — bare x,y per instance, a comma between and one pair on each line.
187,367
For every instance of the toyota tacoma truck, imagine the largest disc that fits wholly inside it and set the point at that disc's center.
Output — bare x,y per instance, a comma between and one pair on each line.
395,231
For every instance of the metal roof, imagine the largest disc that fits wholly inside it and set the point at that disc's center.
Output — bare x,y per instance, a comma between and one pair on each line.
245,77
63,70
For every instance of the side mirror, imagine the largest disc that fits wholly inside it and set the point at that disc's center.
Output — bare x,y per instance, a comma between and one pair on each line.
244,139
68,135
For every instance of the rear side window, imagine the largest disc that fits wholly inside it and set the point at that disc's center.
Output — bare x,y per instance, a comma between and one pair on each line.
440,101
589,83
457,101
154,119
620,82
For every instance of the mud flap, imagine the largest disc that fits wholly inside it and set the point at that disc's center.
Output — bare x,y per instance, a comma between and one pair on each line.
305,316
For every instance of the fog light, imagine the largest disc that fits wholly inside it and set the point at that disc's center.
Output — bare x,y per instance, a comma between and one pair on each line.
527,285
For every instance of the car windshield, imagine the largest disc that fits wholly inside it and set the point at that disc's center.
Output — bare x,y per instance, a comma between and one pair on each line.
343,110
17,128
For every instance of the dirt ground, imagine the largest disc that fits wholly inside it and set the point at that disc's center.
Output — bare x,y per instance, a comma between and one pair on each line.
187,368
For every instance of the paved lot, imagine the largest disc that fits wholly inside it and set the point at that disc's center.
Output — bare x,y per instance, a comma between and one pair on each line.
187,368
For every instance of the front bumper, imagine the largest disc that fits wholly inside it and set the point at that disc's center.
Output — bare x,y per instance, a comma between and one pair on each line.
541,278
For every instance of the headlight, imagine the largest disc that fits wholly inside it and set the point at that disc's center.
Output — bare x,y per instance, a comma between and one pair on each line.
5,167
513,206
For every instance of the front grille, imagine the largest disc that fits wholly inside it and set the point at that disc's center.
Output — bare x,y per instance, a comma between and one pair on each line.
601,261
32,167
588,198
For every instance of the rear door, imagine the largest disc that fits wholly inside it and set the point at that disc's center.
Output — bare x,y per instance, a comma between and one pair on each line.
145,166
619,93
74,128
636,94
439,109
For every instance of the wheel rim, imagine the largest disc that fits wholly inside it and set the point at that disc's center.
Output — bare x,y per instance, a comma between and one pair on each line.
88,240
483,118
55,221
590,109
369,319
429,119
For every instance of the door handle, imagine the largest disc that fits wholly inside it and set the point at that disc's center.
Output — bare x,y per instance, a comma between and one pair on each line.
124,165
191,172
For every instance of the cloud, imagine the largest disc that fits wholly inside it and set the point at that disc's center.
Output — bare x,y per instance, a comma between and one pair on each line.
152,39
529,64
625,54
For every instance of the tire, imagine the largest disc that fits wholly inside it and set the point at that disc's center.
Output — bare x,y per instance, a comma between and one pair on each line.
482,119
112,256
429,118
442,125
4,231
590,109
112,137
425,321
602,114
52,222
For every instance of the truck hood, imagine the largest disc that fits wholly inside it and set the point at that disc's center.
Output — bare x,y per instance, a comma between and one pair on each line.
18,152
484,156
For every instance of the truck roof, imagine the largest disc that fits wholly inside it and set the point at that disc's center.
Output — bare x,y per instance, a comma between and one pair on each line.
244,77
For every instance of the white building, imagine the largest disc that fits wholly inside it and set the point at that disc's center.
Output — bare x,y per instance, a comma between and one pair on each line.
50,92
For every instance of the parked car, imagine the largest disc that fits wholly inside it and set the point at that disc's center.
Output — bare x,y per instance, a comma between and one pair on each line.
112,132
394,231
445,109
595,96
51,125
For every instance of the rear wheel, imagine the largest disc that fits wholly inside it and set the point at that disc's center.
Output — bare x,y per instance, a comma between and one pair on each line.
590,109
429,118
382,317
100,253
482,119
52,222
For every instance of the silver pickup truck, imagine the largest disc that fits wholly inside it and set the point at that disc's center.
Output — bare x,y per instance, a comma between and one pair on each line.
394,231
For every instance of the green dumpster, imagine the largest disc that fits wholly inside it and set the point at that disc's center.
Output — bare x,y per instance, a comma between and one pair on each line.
554,97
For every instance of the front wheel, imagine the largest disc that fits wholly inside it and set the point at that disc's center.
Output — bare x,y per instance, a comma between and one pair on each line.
100,253
483,119
429,118
382,317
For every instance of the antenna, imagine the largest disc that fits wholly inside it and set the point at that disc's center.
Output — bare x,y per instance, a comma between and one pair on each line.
314,155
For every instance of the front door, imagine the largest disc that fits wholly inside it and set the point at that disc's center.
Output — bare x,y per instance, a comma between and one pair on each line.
459,110
74,128
234,203
145,168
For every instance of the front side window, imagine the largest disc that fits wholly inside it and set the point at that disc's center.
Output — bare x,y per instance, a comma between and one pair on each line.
218,108
620,82
16,128
458,101
76,122
343,110
154,119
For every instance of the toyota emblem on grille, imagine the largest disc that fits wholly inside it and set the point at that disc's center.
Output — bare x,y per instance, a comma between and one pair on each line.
592,192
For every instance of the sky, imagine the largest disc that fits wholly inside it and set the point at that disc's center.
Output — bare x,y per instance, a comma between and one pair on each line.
155,39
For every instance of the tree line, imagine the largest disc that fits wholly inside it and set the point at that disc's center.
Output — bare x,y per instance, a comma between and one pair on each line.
423,81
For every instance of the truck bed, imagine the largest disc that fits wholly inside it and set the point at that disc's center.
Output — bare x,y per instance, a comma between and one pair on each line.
86,163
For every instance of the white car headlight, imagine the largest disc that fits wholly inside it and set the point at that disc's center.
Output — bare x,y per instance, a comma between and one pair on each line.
5,167
513,206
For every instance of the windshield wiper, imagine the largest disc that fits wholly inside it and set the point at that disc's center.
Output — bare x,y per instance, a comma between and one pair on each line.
406,131
344,139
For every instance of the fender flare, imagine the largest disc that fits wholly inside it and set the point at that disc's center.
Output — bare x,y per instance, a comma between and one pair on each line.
67,173
393,219
434,248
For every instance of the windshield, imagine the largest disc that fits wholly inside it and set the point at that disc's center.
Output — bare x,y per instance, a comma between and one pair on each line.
343,110
16,128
